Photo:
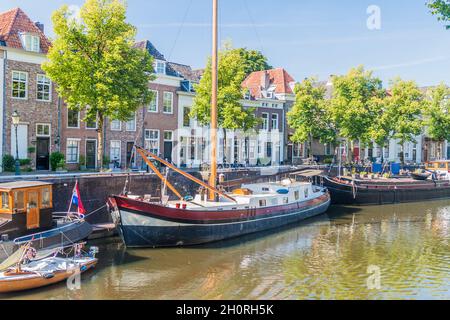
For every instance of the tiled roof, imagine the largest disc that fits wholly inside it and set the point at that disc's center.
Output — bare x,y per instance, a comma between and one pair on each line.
186,71
15,21
147,45
259,81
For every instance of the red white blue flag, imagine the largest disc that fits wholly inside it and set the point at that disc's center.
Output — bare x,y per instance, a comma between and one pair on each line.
76,199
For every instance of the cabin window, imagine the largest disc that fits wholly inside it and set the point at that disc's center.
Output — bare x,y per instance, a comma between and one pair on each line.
19,201
262,203
46,197
306,193
285,200
265,189
442,165
296,195
5,200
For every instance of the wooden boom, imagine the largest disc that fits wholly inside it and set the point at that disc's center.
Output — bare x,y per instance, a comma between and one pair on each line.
144,153
155,170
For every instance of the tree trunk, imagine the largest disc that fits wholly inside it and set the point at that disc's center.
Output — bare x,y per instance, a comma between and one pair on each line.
310,153
100,123
224,157
402,154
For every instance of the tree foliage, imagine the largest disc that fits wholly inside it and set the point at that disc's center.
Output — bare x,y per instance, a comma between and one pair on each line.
404,108
309,116
95,64
254,60
441,8
355,103
231,113
438,113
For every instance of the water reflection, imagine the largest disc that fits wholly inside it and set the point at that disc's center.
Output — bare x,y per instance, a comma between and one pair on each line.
325,257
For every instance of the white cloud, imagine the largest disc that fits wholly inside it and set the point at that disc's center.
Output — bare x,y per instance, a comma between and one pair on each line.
410,63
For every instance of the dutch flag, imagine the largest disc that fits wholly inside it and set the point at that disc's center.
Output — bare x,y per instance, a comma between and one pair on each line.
76,200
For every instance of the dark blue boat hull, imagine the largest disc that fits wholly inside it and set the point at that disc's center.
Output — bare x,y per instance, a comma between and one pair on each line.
194,234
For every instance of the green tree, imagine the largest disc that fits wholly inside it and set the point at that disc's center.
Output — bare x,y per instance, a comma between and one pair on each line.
95,65
404,107
437,115
309,116
381,130
230,112
441,8
354,108
254,60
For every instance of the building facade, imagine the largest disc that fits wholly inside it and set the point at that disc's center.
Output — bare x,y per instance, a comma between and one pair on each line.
27,90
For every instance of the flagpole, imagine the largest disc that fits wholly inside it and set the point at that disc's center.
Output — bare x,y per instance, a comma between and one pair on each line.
71,199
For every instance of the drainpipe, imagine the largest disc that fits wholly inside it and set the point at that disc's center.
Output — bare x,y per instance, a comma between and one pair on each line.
143,136
59,125
4,126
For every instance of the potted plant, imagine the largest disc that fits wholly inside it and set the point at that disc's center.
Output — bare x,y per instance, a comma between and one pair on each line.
55,159
61,166
82,162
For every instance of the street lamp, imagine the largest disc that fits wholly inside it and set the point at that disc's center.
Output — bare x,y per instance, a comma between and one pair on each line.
16,120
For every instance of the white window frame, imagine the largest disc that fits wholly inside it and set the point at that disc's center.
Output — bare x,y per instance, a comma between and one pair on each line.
153,139
155,96
272,121
20,81
115,122
159,63
78,120
171,102
78,141
171,135
44,84
265,125
134,122
49,130
111,158
91,128
35,42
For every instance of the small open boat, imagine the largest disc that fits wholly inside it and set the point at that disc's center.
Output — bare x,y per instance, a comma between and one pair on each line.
24,270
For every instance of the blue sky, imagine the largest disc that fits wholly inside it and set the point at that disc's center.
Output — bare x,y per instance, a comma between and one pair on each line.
306,37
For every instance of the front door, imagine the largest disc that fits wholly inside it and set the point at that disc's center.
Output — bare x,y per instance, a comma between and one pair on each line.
168,151
42,153
130,163
32,210
91,154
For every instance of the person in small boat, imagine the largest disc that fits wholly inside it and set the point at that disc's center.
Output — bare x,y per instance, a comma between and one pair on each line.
29,255
78,250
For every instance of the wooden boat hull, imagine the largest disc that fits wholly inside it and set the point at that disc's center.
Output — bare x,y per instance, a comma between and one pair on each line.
373,194
144,224
15,283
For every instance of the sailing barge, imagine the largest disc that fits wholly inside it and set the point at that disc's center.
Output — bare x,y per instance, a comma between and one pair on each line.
435,185
143,222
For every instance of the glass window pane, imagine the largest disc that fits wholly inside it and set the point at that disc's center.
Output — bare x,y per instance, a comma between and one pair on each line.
19,202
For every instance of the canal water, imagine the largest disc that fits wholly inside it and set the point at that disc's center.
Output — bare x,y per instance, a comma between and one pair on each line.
383,252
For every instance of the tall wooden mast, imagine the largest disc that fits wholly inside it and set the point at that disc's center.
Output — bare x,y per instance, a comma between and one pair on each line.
214,81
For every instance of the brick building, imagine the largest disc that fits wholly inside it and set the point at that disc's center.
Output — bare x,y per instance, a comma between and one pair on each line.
26,89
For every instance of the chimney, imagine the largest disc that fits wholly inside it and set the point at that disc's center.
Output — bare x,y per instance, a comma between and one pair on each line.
39,25
265,80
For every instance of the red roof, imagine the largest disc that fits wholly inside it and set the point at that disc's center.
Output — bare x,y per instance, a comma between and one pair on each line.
261,80
15,21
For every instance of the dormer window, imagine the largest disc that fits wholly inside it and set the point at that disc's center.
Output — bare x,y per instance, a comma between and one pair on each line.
160,67
269,94
30,42
247,95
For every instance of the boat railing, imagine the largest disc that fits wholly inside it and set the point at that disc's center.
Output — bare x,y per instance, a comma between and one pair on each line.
46,234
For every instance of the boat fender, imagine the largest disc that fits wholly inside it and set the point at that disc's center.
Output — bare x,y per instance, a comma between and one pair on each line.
83,268
48,275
